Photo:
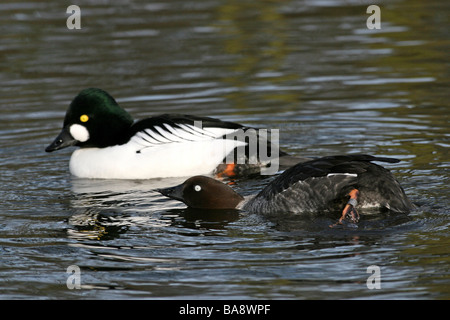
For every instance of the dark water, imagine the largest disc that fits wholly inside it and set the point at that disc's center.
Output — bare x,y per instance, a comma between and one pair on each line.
311,69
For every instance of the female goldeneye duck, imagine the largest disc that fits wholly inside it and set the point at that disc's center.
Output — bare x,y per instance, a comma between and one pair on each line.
113,146
202,192
349,184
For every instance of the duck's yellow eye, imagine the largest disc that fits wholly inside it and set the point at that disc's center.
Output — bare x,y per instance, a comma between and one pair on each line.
84,118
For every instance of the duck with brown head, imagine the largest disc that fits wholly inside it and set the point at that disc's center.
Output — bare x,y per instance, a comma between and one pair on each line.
351,184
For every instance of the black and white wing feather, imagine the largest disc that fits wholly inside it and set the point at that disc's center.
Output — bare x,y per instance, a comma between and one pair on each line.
165,129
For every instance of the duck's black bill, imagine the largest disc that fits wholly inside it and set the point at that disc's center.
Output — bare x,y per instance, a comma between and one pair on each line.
173,192
63,140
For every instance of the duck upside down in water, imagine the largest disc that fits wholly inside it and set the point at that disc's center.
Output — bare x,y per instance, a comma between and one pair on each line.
351,184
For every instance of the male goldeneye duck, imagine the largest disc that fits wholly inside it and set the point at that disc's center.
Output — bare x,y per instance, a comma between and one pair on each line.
347,184
113,146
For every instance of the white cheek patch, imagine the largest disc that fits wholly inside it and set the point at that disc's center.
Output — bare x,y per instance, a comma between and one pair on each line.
79,132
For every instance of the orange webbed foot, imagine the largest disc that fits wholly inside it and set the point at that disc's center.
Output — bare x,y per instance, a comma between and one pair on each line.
350,208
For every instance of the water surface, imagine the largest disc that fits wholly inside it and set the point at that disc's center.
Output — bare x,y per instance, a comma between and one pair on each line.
311,69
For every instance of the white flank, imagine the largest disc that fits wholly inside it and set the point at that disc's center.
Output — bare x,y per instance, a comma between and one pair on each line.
342,174
142,159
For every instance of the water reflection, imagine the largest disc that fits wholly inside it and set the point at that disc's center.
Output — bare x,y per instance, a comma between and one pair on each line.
256,36
115,188
100,224
202,219
95,225
106,209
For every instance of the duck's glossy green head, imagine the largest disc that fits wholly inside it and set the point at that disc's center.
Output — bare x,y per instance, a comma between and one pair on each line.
94,119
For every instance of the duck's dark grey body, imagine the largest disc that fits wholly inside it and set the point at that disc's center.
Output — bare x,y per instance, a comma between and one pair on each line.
322,185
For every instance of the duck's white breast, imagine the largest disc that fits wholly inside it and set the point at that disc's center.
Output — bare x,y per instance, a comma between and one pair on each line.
131,161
